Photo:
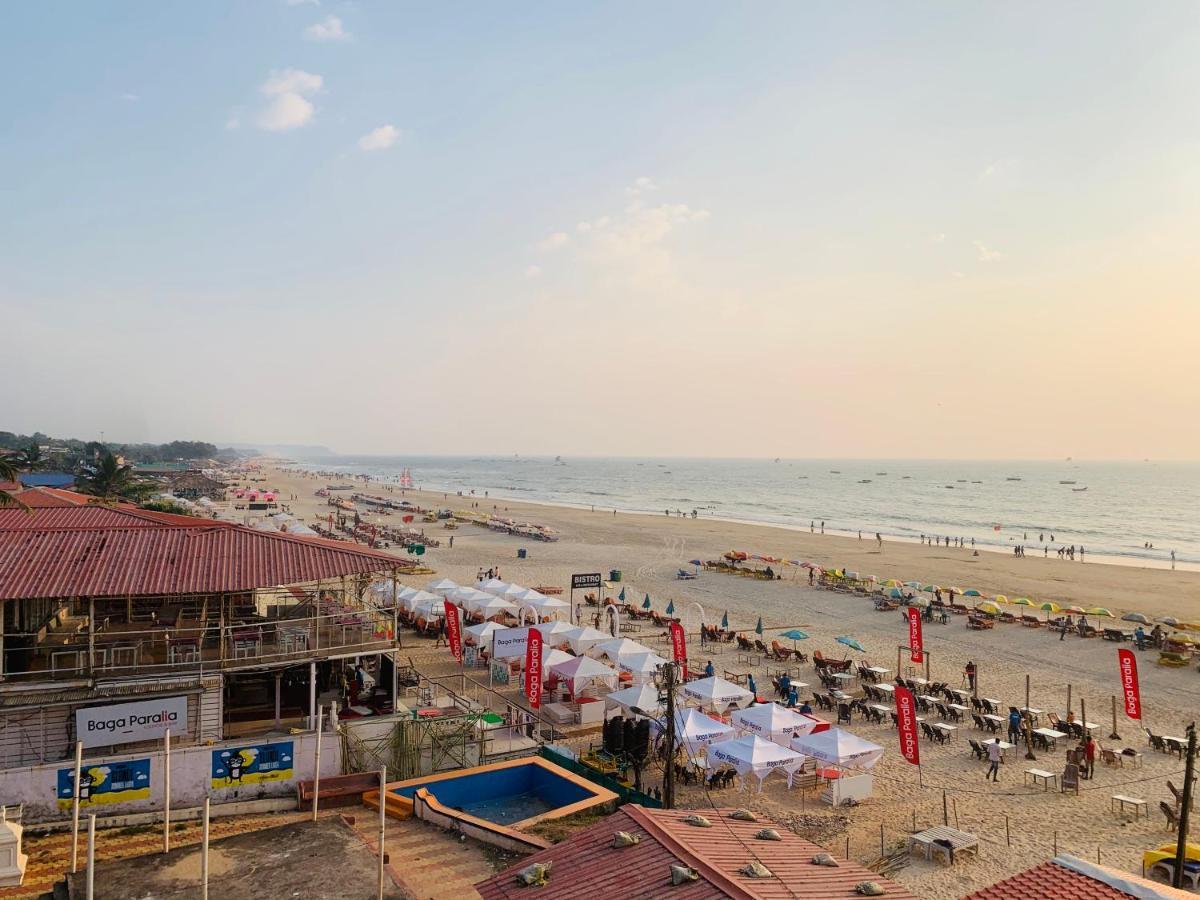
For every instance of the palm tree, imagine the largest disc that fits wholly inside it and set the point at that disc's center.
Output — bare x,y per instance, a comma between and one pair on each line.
31,457
111,480
8,472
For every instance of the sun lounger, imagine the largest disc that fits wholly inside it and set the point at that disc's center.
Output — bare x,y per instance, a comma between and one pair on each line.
943,842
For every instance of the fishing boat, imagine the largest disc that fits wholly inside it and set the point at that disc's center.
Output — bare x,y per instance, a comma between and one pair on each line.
1012,478
1079,490
1066,482
864,481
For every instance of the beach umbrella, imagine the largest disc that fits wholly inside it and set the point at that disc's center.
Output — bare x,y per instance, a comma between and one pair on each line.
972,592
1075,610
956,590
1140,618
1021,601
725,621
915,585
892,582
930,588
646,602
758,629
670,607
795,635
987,606
622,595
895,593
919,601
1167,620
1000,598
1100,611
695,562
851,643
1048,606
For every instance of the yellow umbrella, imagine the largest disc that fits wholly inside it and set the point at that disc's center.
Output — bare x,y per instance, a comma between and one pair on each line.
1000,598
1021,601
1048,606
892,582
987,606
1100,611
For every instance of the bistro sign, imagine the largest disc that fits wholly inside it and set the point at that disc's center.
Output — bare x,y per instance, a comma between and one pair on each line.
128,723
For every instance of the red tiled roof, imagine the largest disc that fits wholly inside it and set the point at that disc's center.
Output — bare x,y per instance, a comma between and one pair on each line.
1054,879
43,497
106,552
588,867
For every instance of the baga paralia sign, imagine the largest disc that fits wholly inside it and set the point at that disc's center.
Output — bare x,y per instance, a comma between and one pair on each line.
128,723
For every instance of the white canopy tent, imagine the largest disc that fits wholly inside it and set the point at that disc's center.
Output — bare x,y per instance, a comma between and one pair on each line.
415,599
641,666
492,606
615,648
695,730
752,755
839,747
579,671
482,633
301,529
491,585
552,657
775,723
555,632
641,696
543,604
716,693
583,637
441,586
405,592
431,609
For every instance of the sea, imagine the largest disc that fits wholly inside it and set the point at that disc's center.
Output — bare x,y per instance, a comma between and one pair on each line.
1129,512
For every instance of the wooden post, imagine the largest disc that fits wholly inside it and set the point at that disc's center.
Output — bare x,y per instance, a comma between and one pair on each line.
395,628
1007,835
382,823
204,853
1029,729
317,767
75,808
1185,809
945,812
2,611
1068,700
91,857
167,791
1114,736
312,693
278,679
91,637
220,627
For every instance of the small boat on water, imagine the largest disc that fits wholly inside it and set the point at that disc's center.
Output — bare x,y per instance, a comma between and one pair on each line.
962,481
881,473
1012,478
1079,490
949,487
864,481
835,472
1066,482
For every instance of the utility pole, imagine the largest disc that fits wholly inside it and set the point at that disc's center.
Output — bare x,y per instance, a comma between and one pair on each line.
669,774
1185,808
1028,724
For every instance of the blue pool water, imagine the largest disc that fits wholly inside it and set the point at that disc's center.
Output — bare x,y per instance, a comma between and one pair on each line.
503,796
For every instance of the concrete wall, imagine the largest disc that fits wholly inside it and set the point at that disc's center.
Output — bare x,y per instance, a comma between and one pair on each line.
191,777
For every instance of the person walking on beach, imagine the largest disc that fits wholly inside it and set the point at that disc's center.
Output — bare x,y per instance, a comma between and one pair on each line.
1081,552
822,526
995,754
1172,559
1089,757
879,541
811,576
1014,725
1066,624
970,673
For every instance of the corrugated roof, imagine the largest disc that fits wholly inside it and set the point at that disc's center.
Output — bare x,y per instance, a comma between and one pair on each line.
587,866
42,497
1060,878
119,552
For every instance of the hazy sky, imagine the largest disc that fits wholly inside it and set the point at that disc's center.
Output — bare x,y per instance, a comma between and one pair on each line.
795,229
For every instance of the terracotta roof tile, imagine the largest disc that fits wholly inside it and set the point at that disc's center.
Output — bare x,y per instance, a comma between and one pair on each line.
1054,879
587,867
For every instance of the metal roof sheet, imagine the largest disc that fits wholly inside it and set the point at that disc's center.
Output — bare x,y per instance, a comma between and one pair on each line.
587,866
147,557
1059,878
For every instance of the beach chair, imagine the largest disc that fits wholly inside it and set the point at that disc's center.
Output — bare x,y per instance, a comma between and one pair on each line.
782,654
1178,794
978,749
843,713
1070,777
1174,746
895,718
800,657
980,721
1172,816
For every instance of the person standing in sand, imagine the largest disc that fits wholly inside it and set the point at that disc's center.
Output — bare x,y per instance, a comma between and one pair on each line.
879,541
995,753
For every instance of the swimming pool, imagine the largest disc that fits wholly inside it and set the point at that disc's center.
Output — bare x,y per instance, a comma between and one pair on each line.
508,794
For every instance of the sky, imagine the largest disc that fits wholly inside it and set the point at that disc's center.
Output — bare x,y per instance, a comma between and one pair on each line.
675,228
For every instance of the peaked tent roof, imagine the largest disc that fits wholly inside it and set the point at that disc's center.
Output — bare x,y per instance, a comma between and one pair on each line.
715,691
840,747
643,696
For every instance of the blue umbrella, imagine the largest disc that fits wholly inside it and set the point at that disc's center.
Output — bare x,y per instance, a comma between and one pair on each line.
796,635
852,644
758,629
622,595
696,562
646,602
670,607
725,620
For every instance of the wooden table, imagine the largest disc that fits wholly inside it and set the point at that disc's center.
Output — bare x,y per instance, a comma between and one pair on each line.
927,842
1139,805
889,688
999,721
1043,776
945,729
1050,734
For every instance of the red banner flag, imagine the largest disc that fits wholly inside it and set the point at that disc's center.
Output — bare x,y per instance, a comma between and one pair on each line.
916,641
906,724
533,668
406,519
679,647
453,635
1130,689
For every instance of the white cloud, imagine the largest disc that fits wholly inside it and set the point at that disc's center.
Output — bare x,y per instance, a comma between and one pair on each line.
533,271
987,254
132,98
641,186
234,122
328,29
958,274
554,241
939,238
583,227
288,106
379,138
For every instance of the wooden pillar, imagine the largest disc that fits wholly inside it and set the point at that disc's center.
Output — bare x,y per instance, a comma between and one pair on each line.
312,692
221,626
278,679
3,611
91,637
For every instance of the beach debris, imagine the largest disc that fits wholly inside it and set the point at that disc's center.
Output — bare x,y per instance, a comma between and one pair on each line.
680,874
536,874
869,889
768,834
825,859
697,821
744,815
625,839
756,870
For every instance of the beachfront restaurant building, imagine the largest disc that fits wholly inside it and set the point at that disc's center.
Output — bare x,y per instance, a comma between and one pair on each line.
115,614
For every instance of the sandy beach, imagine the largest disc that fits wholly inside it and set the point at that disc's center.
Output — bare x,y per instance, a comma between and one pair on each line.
1017,825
